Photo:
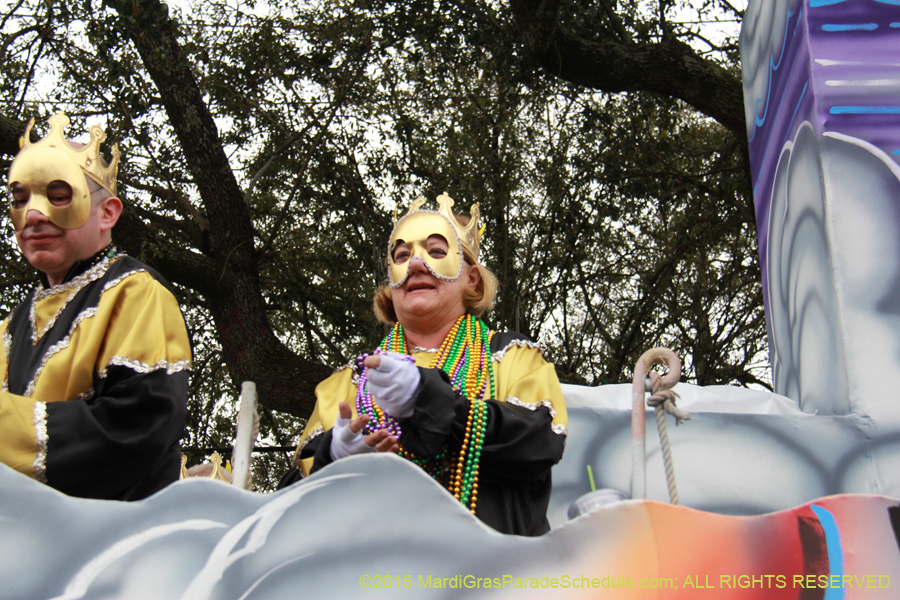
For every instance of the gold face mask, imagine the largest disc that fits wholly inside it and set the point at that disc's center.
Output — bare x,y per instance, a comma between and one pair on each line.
414,230
34,169
51,159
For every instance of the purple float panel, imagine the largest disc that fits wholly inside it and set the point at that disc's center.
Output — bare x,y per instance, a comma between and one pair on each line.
822,102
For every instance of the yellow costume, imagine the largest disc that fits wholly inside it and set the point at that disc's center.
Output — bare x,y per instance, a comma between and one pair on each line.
525,436
94,381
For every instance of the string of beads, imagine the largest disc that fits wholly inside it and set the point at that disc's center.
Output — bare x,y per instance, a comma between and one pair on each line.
109,252
465,355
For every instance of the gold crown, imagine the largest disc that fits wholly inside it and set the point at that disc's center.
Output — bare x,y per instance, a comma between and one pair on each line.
86,157
212,470
469,234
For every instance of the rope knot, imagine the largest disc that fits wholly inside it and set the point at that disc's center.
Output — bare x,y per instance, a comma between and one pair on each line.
664,398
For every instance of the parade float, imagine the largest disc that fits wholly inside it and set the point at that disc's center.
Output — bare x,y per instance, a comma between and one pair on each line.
784,495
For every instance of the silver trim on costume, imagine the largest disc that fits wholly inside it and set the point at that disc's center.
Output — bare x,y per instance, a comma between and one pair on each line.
138,366
76,285
40,434
7,340
354,378
85,395
349,365
113,283
58,346
314,434
559,429
7,346
498,356
531,405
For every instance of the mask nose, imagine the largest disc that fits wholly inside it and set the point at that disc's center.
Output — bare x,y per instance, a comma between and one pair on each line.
35,217
417,264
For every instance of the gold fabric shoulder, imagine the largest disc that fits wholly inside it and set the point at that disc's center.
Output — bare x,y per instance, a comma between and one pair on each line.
136,324
340,387
157,339
525,379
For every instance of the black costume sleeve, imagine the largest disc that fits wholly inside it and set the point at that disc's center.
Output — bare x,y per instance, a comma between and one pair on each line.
317,448
123,443
519,443
320,449
520,448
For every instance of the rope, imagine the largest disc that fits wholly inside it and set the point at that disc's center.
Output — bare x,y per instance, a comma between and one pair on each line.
663,400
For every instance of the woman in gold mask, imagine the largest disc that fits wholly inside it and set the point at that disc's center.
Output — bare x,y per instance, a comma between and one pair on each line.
479,410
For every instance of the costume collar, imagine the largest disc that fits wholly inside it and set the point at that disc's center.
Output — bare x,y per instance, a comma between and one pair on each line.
82,265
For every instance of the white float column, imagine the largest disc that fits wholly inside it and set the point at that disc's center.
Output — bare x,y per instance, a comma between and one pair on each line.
822,99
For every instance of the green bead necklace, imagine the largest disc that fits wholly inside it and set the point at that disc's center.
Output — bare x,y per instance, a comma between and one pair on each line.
465,355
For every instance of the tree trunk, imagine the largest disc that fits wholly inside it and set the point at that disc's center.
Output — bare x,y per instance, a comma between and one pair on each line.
284,380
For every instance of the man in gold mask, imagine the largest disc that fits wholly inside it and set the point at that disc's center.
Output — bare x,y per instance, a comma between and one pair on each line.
481,411
96,358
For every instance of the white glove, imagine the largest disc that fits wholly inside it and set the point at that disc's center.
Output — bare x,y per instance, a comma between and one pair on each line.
393,384
346,443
